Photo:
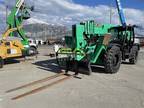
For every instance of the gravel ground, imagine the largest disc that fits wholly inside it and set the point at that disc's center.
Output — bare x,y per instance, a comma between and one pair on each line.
100,90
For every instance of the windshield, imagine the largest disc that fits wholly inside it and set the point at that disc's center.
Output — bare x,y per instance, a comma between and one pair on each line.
122,33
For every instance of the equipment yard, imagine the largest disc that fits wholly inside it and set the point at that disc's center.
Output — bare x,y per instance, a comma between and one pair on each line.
124,89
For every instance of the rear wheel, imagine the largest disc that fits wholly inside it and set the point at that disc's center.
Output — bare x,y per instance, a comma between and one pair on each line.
32,51
1,62
134,55
89,68
113,60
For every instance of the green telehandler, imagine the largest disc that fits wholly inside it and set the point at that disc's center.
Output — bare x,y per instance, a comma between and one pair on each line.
93,44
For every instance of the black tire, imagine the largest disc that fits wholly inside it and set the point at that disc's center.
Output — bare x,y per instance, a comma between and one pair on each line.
76,67
33,51
89,68
1,62
134,55
113,60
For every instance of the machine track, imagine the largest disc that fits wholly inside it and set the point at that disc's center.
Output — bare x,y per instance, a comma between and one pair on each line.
36,90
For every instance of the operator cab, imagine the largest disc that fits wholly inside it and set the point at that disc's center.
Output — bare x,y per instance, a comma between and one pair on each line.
123,34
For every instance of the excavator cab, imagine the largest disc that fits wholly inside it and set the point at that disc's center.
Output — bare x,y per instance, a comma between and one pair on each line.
25,15
10,47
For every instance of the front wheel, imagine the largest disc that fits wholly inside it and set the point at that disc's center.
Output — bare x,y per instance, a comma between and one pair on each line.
33,51
1,62
134,55
113,60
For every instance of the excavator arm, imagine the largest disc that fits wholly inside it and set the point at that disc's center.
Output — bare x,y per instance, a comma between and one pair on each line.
8,31
19,13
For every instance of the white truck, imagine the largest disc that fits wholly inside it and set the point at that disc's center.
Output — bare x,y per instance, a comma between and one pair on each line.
33,47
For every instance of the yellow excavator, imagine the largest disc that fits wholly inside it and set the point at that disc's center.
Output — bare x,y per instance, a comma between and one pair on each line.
14,42
10,47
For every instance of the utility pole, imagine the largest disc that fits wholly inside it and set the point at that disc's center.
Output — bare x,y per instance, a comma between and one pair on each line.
6,11
111,13
6,7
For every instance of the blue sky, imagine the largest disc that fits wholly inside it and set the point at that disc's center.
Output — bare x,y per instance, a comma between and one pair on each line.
1,1
137,4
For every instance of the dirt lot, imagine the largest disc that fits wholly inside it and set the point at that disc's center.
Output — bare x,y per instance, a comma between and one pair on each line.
100,90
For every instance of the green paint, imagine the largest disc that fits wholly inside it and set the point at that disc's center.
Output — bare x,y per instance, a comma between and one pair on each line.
81,43
15,19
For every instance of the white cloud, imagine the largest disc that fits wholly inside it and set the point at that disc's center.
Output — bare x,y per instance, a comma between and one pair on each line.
67,12
33,21
2,18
